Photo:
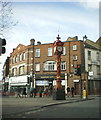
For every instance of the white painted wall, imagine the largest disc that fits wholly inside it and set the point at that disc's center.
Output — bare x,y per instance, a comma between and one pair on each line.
93,61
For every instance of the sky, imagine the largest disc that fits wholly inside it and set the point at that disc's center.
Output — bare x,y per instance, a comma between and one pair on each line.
43,21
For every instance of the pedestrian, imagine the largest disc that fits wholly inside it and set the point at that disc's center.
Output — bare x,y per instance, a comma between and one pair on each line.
34,90
72,91
24,92
31,92
18,91
68,91
40,92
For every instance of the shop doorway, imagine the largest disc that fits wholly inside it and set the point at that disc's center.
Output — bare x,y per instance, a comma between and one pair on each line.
76,86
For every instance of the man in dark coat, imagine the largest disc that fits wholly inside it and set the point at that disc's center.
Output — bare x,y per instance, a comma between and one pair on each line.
72,91
68,91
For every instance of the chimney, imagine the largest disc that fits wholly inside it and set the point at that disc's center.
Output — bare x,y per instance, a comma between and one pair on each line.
13,49
72,38
38,43
32,41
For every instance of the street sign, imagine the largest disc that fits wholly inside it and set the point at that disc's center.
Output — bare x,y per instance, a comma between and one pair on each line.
91,73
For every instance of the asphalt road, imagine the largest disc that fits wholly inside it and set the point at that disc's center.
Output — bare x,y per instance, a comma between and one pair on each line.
82,109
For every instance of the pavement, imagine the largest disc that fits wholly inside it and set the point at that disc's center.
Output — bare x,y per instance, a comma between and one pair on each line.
16,106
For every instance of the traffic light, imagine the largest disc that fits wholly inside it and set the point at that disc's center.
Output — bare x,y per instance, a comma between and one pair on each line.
2,44
77,70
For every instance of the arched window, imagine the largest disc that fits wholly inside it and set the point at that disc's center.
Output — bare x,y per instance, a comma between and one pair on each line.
13,59
14,71
21,70
23,56
20,57
16,58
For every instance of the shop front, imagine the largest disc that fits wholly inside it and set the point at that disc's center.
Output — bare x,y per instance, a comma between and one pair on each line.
48,80
19,81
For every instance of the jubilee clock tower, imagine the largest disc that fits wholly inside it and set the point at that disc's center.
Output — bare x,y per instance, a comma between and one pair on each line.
58,93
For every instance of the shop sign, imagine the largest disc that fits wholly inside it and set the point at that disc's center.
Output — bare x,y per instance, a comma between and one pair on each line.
76,80
48,76
42,83
18,79
18,84
62,82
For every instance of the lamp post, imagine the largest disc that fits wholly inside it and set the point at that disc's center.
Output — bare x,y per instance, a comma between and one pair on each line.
31,75
85,73
32,69
58,93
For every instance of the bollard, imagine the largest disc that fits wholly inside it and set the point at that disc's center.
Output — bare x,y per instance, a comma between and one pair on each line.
84,94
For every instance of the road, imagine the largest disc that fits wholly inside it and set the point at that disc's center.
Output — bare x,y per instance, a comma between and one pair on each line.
82,109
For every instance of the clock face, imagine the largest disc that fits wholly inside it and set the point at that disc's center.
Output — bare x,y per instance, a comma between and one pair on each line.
59,48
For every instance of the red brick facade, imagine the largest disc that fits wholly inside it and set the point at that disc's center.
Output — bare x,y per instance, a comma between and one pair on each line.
29,60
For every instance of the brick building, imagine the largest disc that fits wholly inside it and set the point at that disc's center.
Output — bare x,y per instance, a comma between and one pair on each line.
35,65
5,79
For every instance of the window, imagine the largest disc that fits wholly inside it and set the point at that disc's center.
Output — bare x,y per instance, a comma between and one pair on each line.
21,70
74,57
37,53
16,59
64,51
13,60
89,55
20,57
14,71
89,68
37,66
74,47
50,66
63,65
98,69
23,56
49,51
97,56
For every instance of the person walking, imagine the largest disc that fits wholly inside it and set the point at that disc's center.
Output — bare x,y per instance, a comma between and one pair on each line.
72,91
40,92
24,92
68,91
18,91
34,90
31,92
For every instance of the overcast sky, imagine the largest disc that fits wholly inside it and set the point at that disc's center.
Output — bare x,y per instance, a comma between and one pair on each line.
43,21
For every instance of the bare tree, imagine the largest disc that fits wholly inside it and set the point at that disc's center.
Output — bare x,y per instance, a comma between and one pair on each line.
6,17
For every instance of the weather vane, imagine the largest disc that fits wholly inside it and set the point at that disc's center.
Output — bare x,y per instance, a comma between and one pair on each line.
58,29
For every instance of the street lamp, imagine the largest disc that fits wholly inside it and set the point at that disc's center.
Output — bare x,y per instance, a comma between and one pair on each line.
58,93
32,79
31,75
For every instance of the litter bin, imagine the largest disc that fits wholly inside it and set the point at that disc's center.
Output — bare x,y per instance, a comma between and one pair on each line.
84,94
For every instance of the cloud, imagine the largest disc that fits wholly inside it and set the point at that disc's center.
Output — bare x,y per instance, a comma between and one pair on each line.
42,22
91,4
